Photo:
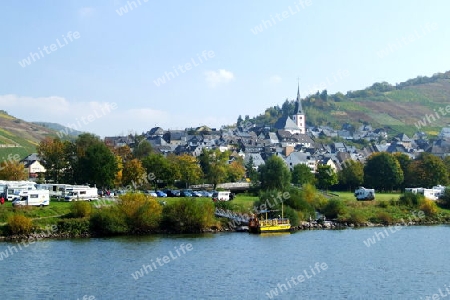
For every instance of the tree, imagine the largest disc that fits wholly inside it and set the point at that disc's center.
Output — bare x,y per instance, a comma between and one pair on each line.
352,175
250,169
98,166
326,177
189,169
427,170
13,170
274,175
53,154
214,165
235,171
133,173
161,169
301,174
143,149
382,171
404,162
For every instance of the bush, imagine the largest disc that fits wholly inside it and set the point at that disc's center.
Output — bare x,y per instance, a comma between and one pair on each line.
81,209
188,215
411,199
383,218
357,217
108,221
334,208
142,214
19,224
74,227
429,207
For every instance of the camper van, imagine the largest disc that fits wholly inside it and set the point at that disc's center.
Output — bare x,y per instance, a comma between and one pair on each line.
32,198
81,194
14,188
221,196
432,194
362,194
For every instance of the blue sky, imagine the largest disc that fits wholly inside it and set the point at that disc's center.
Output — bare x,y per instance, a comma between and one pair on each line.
105,81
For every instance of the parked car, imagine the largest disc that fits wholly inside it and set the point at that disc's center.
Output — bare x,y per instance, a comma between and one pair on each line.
207,194
161,194
172,193
197,194
151,193
185,194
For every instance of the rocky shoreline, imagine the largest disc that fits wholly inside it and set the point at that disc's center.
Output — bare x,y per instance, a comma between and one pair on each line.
327,225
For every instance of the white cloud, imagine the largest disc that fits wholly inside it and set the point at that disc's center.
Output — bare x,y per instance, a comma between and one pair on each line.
86,11
220,76
275,79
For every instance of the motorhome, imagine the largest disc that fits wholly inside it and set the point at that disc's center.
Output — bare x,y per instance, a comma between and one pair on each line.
32,198
58,190
362,194
81,193
221,196
14,188
432,194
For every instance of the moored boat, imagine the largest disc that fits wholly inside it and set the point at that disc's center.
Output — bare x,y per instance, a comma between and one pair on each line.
266,225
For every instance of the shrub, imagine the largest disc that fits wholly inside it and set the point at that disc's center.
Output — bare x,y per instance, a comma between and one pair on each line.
108,221
334,208
189,216
383,218
81,209
429,207
141,213
74,227
19,224
411,199
383,204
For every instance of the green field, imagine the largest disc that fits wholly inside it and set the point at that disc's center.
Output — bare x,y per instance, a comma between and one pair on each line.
349,196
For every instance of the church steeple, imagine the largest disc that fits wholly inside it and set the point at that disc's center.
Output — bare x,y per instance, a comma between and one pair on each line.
299,116
298,105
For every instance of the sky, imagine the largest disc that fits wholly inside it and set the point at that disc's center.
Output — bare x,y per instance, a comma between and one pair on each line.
113,67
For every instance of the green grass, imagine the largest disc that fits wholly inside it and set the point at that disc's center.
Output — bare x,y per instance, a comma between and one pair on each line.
349,196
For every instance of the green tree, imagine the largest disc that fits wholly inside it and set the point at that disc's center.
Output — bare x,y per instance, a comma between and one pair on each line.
404,162
326,177
133,173
235,170
162,169
98,166
189,169
214,165
53,154
382,171
274,174
301,174
143,149
352,175
251,171
427,170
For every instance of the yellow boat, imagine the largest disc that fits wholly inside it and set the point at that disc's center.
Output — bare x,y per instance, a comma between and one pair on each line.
265,225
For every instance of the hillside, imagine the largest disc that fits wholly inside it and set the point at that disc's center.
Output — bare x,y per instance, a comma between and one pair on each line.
404,107
60,128
19,137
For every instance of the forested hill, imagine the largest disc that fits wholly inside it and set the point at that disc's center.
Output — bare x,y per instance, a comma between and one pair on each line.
397,107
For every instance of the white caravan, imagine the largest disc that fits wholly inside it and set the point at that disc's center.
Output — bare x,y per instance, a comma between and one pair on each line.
431,194
221,196
81,193
33,197
14,188
362,194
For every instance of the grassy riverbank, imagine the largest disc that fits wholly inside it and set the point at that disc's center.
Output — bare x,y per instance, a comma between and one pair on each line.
139,214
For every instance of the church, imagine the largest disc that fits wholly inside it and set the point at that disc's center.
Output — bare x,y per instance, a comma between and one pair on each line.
296,124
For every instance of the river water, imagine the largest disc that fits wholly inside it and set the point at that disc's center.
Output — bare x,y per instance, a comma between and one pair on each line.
411,263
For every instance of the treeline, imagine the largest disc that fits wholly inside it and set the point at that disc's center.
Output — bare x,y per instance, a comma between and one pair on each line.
87,160
382,170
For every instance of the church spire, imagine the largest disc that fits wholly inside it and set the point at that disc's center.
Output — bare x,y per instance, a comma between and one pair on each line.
298,105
